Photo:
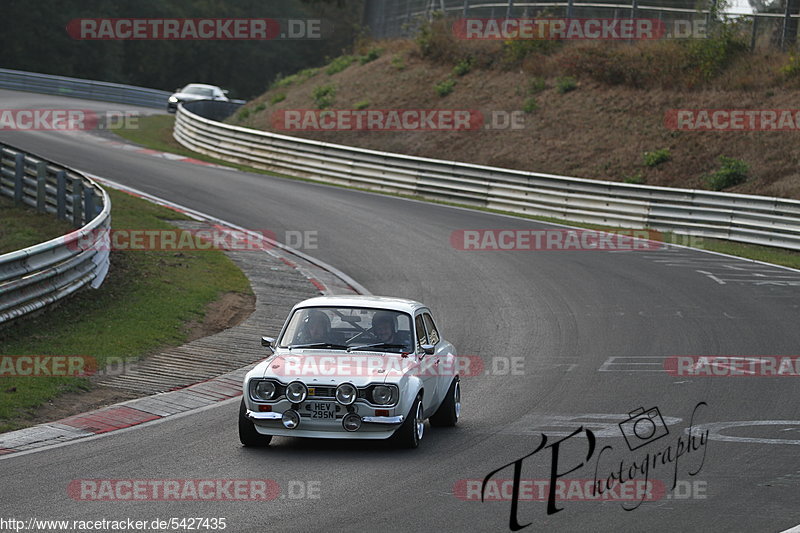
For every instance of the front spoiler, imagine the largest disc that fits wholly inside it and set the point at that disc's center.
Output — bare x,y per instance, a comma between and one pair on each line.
381,427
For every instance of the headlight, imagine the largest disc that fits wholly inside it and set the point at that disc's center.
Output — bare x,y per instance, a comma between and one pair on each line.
346,394
383,395
296,392
173,100
264,390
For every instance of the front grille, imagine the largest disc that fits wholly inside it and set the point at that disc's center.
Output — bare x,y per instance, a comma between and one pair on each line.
322,392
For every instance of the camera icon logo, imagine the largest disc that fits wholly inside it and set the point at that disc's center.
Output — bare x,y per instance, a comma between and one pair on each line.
643,427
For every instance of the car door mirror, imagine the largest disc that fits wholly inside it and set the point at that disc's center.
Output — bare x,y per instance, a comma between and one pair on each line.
267,342
225,91
428,349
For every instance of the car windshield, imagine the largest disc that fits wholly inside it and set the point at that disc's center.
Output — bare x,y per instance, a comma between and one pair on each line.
348,328
199,91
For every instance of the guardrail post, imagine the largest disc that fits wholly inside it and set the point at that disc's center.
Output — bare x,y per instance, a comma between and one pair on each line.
41,186
19,177
88,204
61,195
787,14
77,212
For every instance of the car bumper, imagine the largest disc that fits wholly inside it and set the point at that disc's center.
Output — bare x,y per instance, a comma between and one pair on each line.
372,427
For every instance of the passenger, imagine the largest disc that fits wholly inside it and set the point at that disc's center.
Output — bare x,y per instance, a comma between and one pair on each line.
316,328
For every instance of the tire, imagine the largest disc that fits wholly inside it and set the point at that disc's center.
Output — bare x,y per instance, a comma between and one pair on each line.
450,411
247,431
412,430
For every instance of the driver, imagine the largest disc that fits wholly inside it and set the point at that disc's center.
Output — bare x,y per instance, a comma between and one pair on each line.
384,327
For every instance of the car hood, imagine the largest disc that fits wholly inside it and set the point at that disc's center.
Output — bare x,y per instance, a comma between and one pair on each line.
324,367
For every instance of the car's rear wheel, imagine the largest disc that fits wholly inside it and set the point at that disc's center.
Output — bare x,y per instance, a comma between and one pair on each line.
247,431
450,411
412,430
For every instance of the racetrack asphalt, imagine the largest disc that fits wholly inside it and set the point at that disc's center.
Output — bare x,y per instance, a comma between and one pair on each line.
592,329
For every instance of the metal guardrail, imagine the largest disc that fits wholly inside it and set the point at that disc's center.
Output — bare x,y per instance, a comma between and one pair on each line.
216,109
78,88
37,276
736,217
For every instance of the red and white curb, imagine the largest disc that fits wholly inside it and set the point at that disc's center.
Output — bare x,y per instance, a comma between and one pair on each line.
119,145
327,279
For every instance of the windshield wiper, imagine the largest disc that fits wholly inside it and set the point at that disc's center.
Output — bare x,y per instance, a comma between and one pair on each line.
379,345
319,345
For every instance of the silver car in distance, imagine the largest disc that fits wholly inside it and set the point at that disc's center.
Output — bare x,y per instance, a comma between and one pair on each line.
352,367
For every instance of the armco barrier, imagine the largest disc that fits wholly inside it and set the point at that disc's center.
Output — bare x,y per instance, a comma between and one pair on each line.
78,88
735,217
37,276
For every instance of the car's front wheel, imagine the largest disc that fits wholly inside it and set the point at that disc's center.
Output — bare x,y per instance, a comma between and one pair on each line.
450,411
247,431
412,430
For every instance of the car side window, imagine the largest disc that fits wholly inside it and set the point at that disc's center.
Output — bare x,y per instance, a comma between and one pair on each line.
433,334
422,338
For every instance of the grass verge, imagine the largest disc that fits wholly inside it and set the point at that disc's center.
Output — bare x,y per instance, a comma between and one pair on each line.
143,306
155,132
21,227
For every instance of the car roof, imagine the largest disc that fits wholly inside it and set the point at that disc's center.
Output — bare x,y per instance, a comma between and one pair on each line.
201,86
373,302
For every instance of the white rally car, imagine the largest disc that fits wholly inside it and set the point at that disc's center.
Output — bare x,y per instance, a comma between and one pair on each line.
352,367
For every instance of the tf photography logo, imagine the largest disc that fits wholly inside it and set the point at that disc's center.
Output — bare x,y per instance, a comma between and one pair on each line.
641,431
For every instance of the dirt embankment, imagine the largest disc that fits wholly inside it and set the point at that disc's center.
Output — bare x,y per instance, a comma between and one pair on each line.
600,129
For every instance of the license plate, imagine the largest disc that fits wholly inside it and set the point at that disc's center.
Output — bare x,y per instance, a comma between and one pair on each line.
322,410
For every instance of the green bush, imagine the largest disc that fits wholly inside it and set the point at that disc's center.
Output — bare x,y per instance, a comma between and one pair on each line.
515,51
303,75
706,58
244,113
371,55
399,62
636,179
339,64
363,104
323,96
732,172
260,107
280,97
792,68
656,157
445,87
463,66
530,105
536,85
566,84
